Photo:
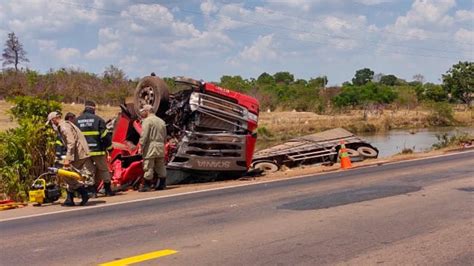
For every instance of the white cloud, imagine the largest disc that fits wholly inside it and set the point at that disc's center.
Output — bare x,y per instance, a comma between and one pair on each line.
102,51
465,36
47,45
208,7
211,41
304,5
261,49
46,16
158,16
65,54
424,17
425,12
372,2
108,34
465,15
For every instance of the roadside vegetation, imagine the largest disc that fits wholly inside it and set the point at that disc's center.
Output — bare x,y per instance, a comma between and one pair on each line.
26,150
453,141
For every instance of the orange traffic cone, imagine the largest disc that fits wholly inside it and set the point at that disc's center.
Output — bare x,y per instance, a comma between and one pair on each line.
345,159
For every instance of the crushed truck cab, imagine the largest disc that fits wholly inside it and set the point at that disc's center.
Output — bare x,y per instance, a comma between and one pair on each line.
211,130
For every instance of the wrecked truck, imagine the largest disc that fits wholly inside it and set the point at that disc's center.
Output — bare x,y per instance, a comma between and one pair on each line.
316,149
211,131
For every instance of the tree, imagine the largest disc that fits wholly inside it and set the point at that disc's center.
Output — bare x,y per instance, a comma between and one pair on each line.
459,81
319,82
113,73
419,78
362,76
265,78
236,83
13,53
434,92
284,77
389,80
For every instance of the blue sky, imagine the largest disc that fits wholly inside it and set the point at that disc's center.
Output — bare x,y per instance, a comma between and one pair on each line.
208,39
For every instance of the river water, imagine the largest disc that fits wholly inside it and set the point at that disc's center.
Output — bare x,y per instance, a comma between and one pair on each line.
419,140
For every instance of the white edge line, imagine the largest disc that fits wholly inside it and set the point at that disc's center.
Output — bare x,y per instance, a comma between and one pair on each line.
218,188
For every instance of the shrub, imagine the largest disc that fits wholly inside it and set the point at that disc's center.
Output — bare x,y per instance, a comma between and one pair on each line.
264,133
27,107
445,140
441,114
27,150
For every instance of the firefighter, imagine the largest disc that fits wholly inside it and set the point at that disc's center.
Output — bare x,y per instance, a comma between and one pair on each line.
98,139
77,155
59,146
152,143
71,117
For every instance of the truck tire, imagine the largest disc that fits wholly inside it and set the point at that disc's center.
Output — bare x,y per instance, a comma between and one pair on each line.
153,91
352,153
367,152
267,167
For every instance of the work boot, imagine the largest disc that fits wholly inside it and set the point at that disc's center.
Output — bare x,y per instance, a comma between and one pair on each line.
108,190
146,186
69,202
162,184
84,195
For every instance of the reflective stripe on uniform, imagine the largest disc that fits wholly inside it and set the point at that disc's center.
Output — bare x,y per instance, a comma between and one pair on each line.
91,133
96,153
104,134
58,142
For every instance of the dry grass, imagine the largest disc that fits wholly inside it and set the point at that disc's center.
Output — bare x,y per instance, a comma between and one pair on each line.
5,121
106,112
289,124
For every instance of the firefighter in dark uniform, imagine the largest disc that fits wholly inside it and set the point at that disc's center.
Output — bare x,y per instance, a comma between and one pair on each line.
98,139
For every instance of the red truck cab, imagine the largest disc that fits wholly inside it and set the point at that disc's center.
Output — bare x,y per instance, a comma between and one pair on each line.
211,130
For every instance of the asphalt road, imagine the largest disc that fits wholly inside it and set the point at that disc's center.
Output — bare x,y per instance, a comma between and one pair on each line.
417,212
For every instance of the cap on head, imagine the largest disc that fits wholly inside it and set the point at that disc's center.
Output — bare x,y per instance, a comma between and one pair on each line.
51,116
147,108
90,104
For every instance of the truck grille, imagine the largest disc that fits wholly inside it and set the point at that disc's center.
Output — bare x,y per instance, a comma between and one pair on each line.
217,113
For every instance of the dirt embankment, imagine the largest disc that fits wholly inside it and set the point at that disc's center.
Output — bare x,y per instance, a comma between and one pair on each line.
284,125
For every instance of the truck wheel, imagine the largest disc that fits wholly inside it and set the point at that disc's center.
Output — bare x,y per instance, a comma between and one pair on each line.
352,153
367,152
267,167
153,91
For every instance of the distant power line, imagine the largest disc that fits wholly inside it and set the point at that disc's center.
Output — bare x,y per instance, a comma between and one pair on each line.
385,31
373,44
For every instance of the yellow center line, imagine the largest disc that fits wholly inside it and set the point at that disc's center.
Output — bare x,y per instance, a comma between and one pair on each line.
140,258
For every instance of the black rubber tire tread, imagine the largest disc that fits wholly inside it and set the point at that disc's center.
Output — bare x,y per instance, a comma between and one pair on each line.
160,91
352,153
267,167
367,152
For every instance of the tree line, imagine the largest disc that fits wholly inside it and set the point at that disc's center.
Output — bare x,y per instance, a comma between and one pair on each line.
278,91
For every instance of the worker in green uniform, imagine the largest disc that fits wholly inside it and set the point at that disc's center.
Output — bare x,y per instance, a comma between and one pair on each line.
152,142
